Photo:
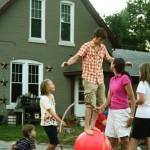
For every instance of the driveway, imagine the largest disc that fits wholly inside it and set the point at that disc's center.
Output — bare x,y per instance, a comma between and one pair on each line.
6,146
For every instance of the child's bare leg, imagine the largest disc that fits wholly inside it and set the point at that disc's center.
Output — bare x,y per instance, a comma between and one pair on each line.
51,147
88,115
90,92
133,144
93,120
125,143
101,99
114,143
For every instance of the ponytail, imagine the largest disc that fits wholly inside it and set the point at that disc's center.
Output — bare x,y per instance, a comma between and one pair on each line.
127,73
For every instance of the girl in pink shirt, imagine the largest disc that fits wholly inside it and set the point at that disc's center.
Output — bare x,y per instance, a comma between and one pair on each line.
120,116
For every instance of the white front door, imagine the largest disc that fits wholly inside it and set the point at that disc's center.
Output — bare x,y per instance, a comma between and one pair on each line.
79,98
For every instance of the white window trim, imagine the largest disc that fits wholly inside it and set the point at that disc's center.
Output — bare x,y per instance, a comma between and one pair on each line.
42,39
25,64
37,40
71,42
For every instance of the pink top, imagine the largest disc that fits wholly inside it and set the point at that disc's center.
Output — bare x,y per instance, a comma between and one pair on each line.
118,94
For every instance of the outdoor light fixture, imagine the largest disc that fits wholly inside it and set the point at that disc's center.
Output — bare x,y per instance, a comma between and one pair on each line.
49,68
3,82
3,65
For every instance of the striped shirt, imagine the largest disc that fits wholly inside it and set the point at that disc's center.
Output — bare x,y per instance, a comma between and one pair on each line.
24,144
92,61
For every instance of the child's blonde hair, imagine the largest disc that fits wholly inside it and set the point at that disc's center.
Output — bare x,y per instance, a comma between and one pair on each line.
43,87
145,72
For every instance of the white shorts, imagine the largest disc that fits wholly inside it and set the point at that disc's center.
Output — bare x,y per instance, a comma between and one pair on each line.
117,122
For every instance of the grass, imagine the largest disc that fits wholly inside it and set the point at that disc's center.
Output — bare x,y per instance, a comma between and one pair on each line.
13,133
69,138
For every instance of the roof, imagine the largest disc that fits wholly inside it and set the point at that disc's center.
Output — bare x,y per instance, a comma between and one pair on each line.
76,69
101,22
136,57
5,4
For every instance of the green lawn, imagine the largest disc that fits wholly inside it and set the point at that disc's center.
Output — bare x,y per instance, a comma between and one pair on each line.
13,133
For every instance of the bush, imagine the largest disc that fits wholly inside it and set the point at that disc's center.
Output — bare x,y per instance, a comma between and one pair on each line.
72,120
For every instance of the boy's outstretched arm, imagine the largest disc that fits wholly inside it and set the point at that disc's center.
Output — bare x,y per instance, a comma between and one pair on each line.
71,61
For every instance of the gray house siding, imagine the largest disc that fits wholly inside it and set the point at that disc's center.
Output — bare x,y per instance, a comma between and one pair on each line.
14,45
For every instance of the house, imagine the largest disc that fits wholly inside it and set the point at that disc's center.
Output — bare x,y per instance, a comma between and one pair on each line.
137,58
36,36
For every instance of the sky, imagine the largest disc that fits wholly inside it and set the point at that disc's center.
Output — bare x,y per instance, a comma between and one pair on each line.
108,7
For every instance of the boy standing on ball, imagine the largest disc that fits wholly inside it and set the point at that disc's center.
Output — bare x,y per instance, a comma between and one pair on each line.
92,55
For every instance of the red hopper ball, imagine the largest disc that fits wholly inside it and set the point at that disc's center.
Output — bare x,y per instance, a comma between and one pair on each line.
97,141
107,145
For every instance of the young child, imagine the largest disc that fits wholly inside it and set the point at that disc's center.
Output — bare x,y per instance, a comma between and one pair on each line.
49,116
27,142
101,121
141,125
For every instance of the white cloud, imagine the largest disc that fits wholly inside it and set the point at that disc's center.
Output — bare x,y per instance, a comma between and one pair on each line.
108,7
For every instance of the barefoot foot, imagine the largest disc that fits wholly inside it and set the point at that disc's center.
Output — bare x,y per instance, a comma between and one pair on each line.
89,132
96,129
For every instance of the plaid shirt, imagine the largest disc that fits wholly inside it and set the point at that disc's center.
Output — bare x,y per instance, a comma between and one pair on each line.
92,61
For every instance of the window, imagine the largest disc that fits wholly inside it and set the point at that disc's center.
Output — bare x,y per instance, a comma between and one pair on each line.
37,21
66,23
33,81
25,78
16,81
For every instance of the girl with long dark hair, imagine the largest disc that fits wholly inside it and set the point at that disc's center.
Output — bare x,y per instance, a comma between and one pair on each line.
120,115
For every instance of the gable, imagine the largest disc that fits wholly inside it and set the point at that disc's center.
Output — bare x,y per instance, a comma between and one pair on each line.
100,22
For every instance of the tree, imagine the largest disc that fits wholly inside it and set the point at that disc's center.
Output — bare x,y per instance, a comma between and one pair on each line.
132,25
119,26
